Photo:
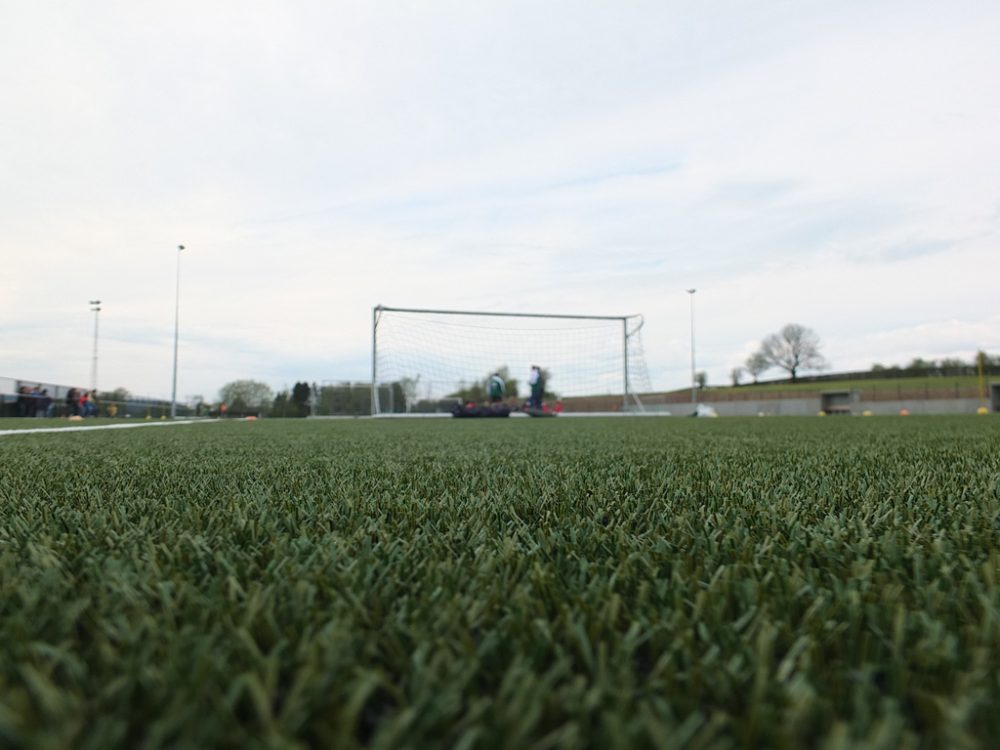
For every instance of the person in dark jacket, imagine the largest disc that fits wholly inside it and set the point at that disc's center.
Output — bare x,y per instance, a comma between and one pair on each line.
72,403
537,382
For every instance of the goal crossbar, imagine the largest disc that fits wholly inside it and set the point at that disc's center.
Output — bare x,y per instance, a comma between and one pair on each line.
382,308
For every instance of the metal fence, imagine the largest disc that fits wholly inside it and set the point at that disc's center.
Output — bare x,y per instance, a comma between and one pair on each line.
32,398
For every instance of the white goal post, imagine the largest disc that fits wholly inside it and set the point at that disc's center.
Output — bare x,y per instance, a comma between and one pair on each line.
421,359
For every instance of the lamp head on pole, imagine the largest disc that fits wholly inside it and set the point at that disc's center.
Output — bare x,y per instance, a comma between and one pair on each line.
95,305
180,247
691,291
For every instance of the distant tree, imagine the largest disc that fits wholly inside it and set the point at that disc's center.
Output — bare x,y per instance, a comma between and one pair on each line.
350,398
701,379
280,406
547,393
243,395
474,392
197,402
919,363
391,398
757,365
793,348
736,375
300,399
984,360
118,394
878,367
953,366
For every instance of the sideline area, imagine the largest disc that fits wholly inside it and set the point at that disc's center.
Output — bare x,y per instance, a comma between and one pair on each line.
86,428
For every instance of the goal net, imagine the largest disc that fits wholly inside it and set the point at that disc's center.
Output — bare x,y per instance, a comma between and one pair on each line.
424,360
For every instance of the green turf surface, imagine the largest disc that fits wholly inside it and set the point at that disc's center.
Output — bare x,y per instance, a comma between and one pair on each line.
506,583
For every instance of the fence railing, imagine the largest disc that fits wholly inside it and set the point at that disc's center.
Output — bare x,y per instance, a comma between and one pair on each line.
134,409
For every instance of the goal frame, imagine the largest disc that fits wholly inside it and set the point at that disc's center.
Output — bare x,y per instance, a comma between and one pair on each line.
627,394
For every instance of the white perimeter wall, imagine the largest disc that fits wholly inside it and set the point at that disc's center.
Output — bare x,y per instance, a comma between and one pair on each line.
802,407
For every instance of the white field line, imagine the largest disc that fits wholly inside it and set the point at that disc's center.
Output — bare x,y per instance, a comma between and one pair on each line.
514,415
36,430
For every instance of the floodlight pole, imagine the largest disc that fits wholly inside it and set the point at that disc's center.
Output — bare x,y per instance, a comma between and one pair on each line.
980,356
375,401
694,381
177,319
95,307
625,364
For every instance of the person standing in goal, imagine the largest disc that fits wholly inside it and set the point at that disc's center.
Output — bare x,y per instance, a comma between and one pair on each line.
537,383
496,388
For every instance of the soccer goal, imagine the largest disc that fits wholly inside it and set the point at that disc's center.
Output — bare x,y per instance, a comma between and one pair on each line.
422,359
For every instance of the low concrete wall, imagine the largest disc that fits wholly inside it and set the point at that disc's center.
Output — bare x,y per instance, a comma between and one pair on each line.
736,402
788,407
918,406
802,407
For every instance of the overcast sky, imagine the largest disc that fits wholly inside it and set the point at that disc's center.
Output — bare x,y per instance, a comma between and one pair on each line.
834,164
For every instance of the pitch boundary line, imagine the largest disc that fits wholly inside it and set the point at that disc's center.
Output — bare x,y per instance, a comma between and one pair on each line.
82,428
513,415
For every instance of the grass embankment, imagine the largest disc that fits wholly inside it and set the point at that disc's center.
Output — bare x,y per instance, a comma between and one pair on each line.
507,583
962,383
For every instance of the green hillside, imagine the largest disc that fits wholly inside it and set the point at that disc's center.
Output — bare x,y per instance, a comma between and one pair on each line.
918,383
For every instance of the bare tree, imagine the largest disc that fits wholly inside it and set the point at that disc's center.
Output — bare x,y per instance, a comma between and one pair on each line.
757,365
793,348
244,394
736,375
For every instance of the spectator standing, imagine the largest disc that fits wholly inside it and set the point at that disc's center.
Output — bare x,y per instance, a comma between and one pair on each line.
537,383
496,388
34,401
72,402
44,404
23,399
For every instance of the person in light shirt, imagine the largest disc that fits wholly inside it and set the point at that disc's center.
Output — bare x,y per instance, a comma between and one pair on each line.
537,383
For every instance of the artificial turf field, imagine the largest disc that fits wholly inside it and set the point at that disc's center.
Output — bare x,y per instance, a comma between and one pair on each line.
606,583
